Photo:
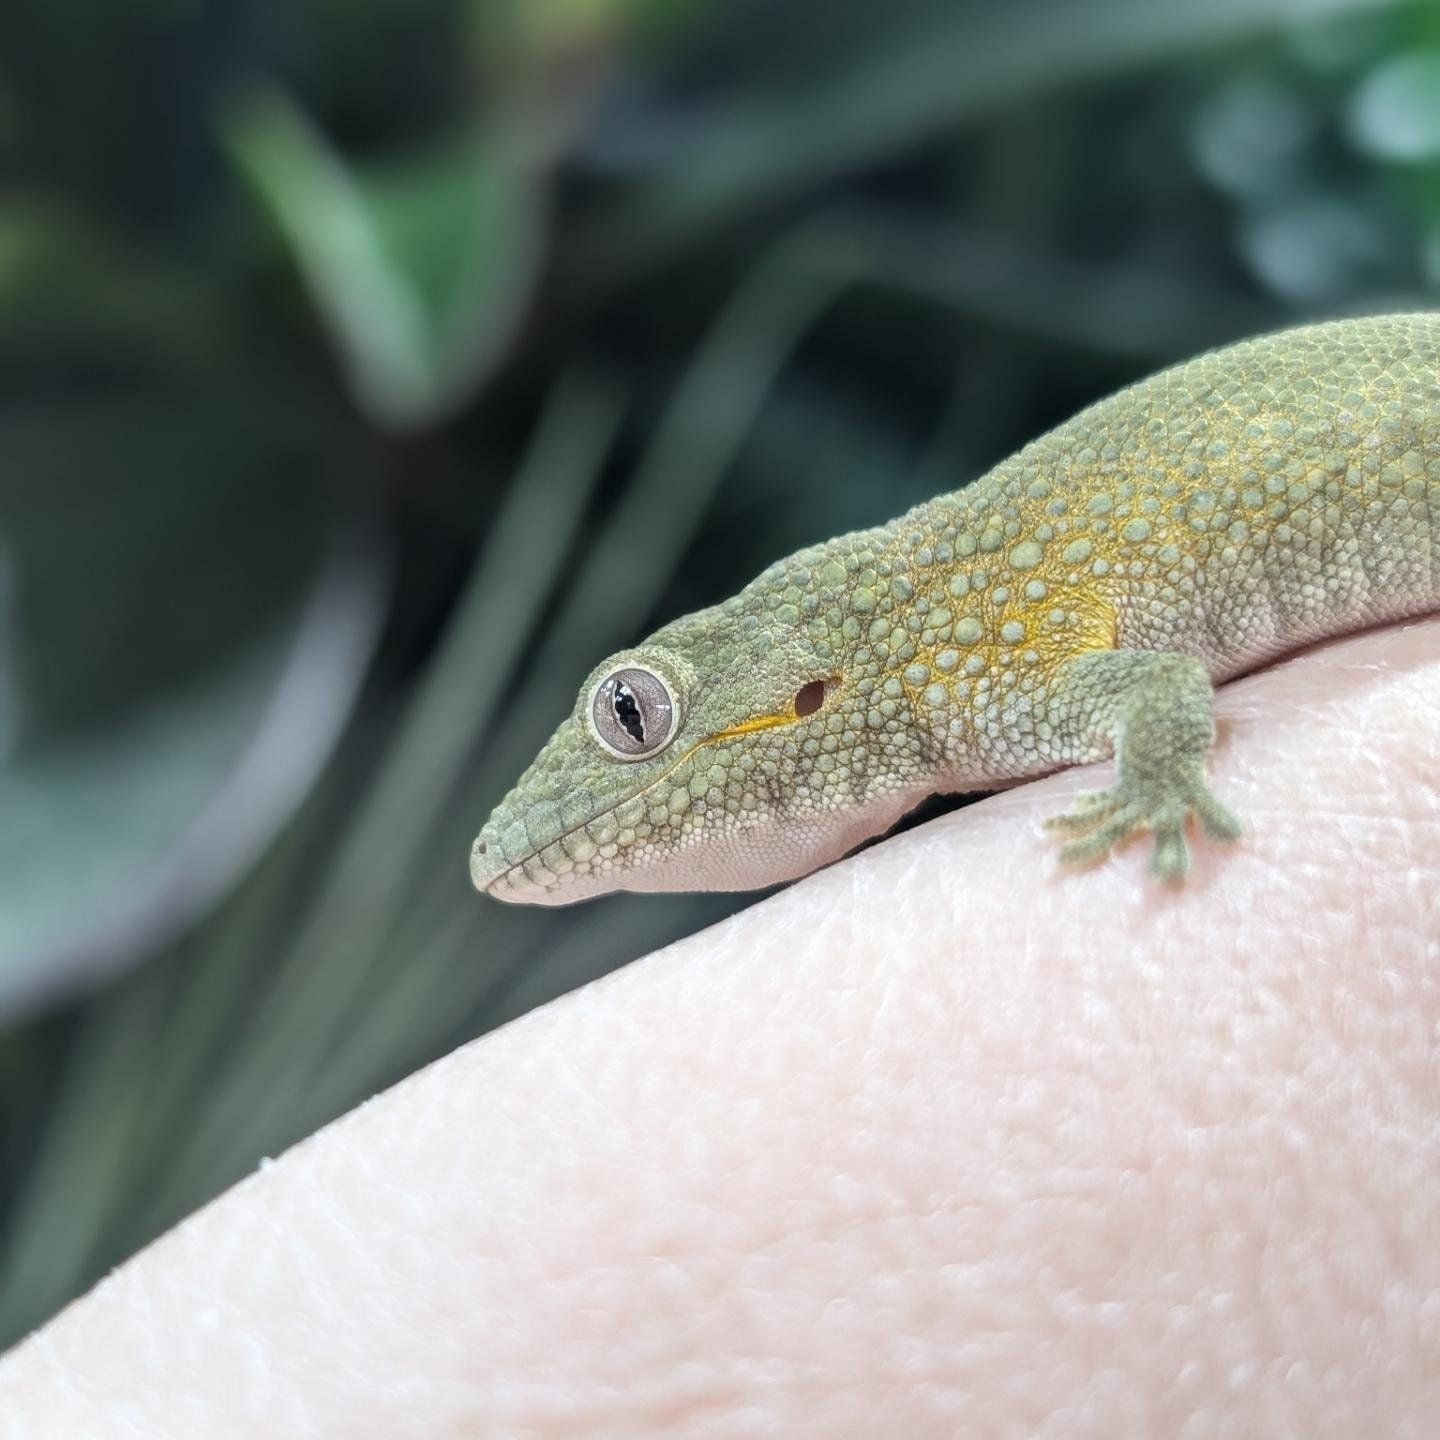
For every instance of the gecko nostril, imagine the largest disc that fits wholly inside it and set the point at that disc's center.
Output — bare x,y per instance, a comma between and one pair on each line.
481,847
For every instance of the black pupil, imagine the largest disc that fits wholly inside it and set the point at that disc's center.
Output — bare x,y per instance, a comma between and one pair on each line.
627,712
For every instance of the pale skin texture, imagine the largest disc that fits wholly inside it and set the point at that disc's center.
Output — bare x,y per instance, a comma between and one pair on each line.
889,1154
1075,602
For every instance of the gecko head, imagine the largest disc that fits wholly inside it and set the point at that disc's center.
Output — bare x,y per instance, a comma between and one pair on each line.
734,749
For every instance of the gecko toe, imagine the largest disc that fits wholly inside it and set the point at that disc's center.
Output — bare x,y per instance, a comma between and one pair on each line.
1108,833
1217,822
1170,860
1089,809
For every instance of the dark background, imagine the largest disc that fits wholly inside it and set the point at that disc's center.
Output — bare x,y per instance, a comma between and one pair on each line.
368,371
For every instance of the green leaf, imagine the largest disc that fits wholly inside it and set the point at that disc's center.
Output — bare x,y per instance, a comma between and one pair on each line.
174,666
421,271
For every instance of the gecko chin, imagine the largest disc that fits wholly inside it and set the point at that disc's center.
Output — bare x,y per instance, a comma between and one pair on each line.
746,854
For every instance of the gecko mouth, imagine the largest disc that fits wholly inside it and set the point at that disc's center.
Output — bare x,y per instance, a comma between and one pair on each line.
493,873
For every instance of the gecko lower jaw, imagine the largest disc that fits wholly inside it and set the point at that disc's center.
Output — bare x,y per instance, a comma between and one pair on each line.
508,881
493,874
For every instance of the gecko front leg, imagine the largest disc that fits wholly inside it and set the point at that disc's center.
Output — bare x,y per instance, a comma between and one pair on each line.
1153,710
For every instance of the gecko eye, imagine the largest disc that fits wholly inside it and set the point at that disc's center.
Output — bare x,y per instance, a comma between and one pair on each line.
633,713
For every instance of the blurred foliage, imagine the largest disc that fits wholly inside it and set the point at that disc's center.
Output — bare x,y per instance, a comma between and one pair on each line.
367,372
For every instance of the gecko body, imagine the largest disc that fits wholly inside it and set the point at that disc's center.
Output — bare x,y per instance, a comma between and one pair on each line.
1075,602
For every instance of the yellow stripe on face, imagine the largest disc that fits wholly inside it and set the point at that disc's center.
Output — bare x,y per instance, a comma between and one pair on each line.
749,727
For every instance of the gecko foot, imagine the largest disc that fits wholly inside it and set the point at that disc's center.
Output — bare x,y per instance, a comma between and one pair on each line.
1103,819
1153,709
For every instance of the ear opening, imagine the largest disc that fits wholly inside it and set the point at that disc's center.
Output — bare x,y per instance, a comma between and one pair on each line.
810,697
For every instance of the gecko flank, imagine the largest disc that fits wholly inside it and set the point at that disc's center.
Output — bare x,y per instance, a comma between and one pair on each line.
1075,602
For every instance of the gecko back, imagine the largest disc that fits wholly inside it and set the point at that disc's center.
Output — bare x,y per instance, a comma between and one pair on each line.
1245,503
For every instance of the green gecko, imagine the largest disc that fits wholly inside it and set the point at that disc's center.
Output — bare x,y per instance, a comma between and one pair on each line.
1076,602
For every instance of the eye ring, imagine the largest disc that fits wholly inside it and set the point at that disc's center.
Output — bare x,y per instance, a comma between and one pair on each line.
633,713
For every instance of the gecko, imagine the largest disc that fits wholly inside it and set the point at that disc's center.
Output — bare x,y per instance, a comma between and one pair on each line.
1077,602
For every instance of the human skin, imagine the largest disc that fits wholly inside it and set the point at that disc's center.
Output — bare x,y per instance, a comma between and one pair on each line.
945,1140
